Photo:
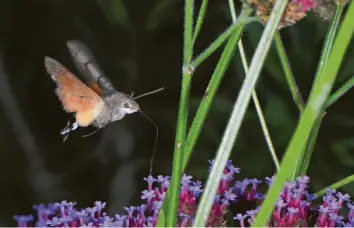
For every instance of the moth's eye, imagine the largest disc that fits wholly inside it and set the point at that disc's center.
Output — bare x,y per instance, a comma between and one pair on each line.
125,105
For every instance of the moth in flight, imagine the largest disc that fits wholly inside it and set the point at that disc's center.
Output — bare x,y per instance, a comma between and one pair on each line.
95,102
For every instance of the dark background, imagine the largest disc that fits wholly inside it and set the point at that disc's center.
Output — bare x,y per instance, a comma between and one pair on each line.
139,46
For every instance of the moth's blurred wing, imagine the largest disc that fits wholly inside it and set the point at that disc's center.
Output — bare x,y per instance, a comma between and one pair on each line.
86,64
74,95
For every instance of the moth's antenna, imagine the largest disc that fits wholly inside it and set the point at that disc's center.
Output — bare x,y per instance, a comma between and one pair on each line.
155,144
149,93
91,133
132,94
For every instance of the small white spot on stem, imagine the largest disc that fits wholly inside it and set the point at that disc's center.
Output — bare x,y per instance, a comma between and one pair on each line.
188,69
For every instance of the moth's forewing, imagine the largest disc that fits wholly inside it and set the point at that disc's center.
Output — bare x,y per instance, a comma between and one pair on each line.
74,95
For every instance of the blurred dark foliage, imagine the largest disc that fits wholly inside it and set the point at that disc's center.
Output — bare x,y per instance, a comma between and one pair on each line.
139,46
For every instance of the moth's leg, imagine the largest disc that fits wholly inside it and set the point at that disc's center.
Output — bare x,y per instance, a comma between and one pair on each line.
74,126
66,131
68,128
65,137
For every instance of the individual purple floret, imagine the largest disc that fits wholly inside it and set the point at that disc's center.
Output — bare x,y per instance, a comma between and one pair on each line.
54,222
241,218
23,220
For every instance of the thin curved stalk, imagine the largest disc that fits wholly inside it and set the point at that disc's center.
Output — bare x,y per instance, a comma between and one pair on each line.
289,76
254,95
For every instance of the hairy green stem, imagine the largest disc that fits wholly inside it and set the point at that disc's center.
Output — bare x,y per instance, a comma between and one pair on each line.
213,86
215,45
182,117
200,20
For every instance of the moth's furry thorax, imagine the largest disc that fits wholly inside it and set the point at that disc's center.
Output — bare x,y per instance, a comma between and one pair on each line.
117,105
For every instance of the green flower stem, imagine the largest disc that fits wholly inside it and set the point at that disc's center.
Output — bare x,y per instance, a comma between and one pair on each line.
179,150
313,110
288,73
200,20
329,39
309,149
265,130
188,35
213,85
340,92
264,127
182,117
307,152
215,45
254,94
336,185
237,116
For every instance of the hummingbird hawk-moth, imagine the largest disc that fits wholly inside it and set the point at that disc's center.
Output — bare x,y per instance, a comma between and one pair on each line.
95,102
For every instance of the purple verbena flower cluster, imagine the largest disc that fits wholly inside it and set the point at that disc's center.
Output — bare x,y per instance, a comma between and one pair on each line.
293,208
329,211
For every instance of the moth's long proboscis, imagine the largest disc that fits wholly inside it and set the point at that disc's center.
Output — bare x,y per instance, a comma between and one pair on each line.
155,143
